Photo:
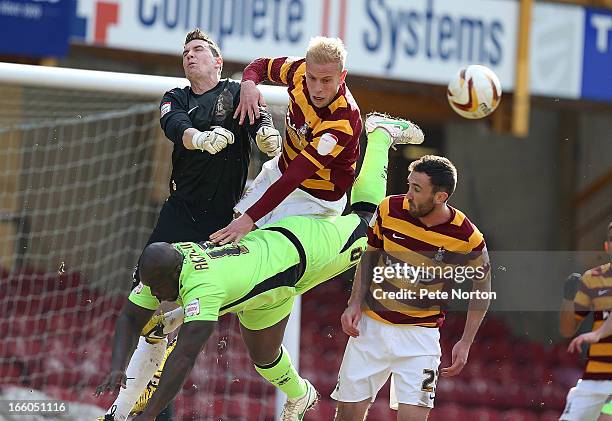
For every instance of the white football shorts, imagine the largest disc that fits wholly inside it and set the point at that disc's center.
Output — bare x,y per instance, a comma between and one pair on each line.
409,354
585,400
297,203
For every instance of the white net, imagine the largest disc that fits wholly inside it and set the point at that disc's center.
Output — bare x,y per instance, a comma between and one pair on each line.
82,179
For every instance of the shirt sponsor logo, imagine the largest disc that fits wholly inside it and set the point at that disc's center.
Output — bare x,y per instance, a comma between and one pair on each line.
193,308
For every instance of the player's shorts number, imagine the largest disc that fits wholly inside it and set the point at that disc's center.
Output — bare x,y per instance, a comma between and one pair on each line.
429,383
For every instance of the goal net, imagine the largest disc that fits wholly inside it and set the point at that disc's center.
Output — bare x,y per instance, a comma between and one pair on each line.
83,174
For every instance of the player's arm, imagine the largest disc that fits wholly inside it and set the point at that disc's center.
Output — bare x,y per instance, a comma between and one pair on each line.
177,126
179,364
605,329
361,285
363,276
477,309
317,155
569,319
324,148
297,171
263,132
278,70
365,272
593,337
127,331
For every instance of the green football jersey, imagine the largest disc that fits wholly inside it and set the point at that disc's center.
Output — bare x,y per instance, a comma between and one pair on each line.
267,267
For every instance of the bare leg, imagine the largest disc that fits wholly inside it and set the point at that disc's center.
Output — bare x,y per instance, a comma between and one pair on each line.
264,345
352,411
412,413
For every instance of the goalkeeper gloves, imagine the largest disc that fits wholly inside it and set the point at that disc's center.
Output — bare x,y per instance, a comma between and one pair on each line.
571,286
213,141
269,141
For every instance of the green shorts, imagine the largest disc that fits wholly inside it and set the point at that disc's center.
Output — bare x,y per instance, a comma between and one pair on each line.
266,316
331,246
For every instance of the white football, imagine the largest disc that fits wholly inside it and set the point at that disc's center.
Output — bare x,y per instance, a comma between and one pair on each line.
475,92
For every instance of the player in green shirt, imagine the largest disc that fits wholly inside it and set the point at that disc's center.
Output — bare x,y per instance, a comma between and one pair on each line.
257,279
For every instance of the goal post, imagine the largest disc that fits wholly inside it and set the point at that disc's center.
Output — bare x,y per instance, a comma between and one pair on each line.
83,172
114,82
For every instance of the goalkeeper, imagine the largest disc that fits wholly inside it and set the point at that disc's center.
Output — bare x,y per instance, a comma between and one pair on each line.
210,162
211,154
278,262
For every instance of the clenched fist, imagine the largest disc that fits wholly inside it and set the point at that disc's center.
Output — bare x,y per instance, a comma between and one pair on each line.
269,141
213,141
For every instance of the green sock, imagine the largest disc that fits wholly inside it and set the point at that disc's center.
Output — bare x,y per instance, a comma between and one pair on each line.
371,183
282,374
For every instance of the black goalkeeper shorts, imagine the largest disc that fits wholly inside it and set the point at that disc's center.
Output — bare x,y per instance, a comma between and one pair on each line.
177,223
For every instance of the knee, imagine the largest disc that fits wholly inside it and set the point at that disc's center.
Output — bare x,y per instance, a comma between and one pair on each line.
351,411
412,413
263,355
341,413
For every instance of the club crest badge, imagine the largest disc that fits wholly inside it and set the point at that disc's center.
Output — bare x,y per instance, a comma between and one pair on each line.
303,130
223,106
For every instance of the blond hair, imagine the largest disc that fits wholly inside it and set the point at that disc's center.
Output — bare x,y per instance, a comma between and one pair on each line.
323,50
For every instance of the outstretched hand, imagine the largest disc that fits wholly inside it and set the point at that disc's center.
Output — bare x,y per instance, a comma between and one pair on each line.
234,232
250,101
586,338
112,382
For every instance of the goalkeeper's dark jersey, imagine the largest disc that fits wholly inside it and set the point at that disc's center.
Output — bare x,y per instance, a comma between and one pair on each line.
209,184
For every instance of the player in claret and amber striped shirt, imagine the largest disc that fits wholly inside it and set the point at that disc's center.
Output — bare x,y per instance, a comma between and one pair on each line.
321,143
403,238
590,293
321,146
394,333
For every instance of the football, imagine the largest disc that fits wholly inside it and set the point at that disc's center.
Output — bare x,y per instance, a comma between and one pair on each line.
475,92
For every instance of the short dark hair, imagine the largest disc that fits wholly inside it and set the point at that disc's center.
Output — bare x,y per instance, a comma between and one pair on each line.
158,260
199,34
441,171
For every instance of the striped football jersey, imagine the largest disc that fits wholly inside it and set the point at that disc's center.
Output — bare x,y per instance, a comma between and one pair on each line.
595,295
436,257
327,137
